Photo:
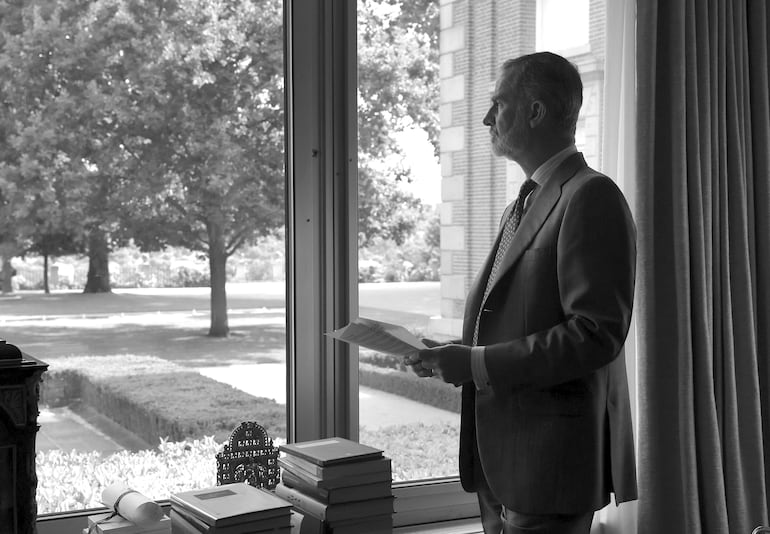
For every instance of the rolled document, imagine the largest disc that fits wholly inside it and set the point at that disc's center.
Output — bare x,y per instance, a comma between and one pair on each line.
131,504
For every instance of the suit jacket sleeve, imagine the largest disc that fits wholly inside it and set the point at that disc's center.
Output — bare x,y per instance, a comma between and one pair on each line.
595,269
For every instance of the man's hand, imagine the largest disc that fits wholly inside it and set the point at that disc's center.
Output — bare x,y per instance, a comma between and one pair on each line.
413,360
451,362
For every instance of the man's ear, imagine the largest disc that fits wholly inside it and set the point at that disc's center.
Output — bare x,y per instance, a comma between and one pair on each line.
537,113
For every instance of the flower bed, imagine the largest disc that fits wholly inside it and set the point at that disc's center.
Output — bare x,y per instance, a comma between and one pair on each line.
75,480
194,415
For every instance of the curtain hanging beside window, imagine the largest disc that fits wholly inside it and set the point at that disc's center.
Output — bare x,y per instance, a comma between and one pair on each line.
703,307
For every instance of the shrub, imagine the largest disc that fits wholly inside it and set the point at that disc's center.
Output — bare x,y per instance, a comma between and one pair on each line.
188,277
380,359
156,398
75,480
432,391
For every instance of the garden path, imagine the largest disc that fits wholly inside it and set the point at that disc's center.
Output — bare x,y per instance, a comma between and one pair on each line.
377,409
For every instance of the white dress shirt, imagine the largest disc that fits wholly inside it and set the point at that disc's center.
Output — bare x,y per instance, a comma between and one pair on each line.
540,177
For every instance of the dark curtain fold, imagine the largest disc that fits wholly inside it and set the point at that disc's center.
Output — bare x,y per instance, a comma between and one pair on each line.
703,306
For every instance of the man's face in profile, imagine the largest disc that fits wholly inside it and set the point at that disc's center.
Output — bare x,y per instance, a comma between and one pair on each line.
507,120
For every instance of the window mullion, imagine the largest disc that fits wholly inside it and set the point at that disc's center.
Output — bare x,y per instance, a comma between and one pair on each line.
321,199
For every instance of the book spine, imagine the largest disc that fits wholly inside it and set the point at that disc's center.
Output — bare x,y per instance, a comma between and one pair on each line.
340,470
333,483
338,495
304,502
181,525
193,510
290,479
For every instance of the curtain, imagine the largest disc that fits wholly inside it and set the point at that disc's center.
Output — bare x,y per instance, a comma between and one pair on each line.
619,162
702,205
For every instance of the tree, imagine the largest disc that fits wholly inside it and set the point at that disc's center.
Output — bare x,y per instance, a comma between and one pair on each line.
398,90
62,147
220,133
168,120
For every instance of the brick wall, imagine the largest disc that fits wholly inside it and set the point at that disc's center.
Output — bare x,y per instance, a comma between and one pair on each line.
477,36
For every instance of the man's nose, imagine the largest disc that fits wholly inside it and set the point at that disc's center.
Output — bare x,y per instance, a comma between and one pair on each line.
489,118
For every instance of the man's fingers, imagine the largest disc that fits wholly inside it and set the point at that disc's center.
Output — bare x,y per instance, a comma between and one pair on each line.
430,343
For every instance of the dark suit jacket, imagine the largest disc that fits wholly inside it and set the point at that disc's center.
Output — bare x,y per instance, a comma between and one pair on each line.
554,430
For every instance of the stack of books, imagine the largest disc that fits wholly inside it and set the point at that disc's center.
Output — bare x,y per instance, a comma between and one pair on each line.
108,523
344,486
229,509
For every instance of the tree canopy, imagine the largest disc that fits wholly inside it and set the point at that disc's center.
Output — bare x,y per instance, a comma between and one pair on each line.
161,122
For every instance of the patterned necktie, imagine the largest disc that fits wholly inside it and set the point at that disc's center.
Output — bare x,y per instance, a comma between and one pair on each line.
514,218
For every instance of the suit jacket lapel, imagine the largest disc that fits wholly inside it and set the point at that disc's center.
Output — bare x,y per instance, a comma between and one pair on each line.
479,284
542,205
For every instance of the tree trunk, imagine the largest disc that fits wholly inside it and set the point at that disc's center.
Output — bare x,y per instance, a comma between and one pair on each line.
217,263
46,287
98,280
7,275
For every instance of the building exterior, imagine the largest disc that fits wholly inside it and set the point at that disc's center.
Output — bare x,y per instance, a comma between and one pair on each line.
477,36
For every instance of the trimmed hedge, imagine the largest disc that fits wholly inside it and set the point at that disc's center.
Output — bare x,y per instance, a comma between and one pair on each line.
431,391
156,398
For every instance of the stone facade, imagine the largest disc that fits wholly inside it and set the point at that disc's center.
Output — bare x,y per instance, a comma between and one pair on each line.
476,38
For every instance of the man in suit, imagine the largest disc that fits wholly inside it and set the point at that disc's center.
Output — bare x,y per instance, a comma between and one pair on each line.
545,431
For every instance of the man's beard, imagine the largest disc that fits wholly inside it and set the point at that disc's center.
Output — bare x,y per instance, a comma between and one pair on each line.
515,141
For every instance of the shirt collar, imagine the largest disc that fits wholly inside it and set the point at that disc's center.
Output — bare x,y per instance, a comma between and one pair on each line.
545,170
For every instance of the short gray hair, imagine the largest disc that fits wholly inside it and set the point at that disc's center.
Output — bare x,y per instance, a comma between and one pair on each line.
549,77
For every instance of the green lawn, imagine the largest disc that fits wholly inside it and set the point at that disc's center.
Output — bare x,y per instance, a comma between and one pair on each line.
171,326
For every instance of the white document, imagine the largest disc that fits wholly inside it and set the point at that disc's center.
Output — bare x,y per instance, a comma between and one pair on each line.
380,336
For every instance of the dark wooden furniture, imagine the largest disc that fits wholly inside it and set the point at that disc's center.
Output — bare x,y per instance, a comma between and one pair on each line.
19,389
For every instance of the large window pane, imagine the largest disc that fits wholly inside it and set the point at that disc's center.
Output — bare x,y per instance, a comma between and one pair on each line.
431,193
399,255
141,189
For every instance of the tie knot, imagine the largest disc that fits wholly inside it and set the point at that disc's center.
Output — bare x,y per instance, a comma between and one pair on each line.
526,188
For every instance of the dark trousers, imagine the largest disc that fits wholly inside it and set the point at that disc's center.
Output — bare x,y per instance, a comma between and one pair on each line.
496,519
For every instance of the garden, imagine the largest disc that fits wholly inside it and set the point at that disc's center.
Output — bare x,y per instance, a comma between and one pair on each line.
139,368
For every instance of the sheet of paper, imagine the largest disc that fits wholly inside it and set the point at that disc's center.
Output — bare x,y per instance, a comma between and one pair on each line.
379,336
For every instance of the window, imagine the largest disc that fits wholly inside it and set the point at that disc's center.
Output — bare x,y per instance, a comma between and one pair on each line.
425,70
145,141
563,25
429,135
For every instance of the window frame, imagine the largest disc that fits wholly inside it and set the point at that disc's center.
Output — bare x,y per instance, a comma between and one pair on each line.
320,65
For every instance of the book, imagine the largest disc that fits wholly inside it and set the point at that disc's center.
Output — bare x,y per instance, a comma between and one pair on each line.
334,512
100,524
381,524
330,451
230,504
360,492
339,470
306,524
181,515
181,525
318,482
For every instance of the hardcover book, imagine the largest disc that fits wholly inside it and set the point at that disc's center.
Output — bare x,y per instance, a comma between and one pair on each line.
183,525
100,524
318,482
339,470
331,451
231,504
381,524
360,492
335,512
179,515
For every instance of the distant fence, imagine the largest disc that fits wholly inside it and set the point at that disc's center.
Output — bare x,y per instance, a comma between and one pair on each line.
75,276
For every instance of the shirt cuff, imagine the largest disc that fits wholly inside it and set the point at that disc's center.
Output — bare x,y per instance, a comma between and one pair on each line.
479,368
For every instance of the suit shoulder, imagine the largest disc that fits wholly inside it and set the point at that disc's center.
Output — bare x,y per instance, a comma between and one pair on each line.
592,182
